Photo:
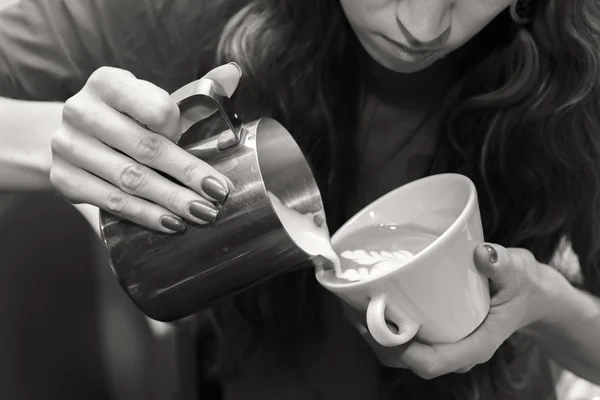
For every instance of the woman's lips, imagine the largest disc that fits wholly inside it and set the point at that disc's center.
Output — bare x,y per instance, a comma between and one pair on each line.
421,53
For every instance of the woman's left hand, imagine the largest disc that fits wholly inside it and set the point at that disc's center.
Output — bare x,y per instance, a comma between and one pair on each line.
516,279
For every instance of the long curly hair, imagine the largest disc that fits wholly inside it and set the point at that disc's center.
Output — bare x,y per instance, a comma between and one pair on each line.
522,122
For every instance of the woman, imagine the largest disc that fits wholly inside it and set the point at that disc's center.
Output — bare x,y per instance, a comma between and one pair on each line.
377,93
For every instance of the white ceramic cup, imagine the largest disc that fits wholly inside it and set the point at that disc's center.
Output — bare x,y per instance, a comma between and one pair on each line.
438,295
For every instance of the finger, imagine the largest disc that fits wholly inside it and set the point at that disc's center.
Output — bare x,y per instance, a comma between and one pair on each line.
494,261
430,362
387,356
143,101
436,360
465,369
138,180
148,148
79,186
389,360
422,359
226,76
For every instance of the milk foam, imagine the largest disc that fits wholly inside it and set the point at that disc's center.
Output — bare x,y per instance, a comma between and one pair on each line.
378,263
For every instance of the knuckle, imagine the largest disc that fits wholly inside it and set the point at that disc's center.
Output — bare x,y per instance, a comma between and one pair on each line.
429,371
98,78
529,257
58,179
142,214
116,202
162,111
61,142
149,148
132,177
191,174
173,199
484,357
465,370
80,112
139,215
426,374
63,183
520,264
101,78
71,108
523,255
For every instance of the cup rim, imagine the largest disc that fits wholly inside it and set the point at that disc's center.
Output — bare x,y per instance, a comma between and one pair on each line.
452,229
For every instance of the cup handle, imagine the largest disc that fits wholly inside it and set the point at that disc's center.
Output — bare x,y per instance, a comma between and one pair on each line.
379,329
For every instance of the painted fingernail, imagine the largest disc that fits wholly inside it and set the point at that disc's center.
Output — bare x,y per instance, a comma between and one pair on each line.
492,253
238,67
213,188
173,223
203,211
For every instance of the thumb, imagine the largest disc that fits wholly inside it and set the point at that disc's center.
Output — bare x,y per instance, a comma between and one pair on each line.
494,261
227,77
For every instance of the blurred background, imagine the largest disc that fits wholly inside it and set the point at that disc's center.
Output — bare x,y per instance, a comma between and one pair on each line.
67,330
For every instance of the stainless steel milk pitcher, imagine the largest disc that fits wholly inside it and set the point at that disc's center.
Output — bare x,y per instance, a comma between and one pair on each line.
170,276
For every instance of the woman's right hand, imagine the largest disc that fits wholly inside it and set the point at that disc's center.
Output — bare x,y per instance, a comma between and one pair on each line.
115,133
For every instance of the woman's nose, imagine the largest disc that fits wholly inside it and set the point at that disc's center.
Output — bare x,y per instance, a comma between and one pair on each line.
425,23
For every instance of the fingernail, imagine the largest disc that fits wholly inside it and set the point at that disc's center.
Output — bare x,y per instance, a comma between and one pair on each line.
172,223
238,67
203,211
213,188
492,253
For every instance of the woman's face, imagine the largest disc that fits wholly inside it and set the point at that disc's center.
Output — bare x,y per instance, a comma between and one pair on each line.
410,35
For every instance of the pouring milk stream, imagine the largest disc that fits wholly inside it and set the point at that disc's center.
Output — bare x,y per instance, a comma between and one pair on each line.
359,263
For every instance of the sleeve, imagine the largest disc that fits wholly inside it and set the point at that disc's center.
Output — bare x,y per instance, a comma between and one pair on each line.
48,48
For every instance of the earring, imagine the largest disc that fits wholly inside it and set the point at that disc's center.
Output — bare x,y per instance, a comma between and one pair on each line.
521,11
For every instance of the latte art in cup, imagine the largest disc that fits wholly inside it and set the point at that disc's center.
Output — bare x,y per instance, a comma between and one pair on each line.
366,253
374,250
416,246
371,263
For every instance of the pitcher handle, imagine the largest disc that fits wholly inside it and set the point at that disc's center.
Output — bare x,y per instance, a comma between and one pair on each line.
200,99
